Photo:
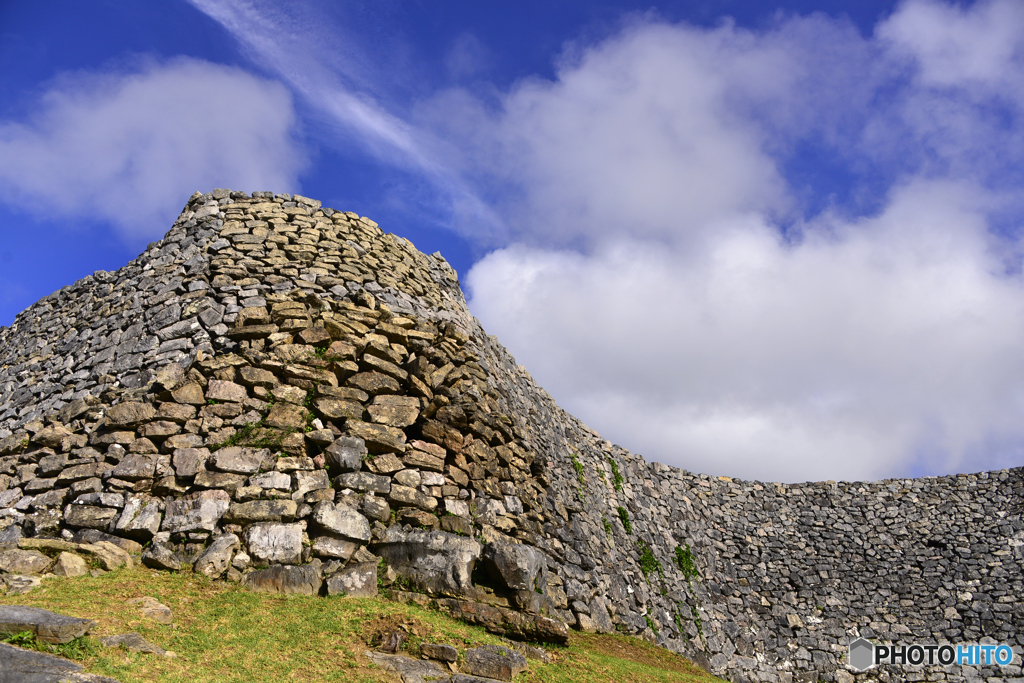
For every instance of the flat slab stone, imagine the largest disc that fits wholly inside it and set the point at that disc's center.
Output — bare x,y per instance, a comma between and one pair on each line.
410,670
48,626
151,608
444,653
287,579
94,536
356,581
133,642
19,584
494,661
17,561
18,665
436,561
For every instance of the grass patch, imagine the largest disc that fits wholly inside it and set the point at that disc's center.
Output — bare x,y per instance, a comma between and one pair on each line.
649,563
684,560
616,475
578,466
223,633
624,518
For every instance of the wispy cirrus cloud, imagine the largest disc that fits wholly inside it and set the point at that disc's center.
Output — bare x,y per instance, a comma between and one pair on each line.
328,67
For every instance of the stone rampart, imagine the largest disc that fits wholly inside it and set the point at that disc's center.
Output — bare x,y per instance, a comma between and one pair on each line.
281,394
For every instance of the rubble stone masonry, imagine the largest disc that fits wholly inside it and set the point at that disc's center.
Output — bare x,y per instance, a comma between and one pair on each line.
279,387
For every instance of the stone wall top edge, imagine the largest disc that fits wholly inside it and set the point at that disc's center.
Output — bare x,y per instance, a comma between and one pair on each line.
178,224
902,482
189,228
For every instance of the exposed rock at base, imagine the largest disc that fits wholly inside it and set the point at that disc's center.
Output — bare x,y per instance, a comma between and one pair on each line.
409,670
18,665
48,626
287,579
518,566
151,608
215,559
133,642
355,581
270,543
494,661
437,561
16,561
498,620
440,652
159,556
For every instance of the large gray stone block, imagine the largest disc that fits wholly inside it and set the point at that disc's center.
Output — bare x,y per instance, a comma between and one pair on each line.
494,661
355,581
295,580
48,626
437,561
274,543
18,665
16,561
140,518
215,559
196,512
342,521
518,566
346,454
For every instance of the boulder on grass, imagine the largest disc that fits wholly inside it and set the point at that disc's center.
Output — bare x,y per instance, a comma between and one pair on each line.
47,626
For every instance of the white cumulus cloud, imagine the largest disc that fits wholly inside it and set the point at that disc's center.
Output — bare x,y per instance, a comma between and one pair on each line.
127,146
666,281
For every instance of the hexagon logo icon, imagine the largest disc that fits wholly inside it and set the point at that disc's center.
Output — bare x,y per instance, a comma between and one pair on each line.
862,654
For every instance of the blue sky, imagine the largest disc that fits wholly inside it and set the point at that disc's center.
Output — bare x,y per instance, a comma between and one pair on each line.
777,241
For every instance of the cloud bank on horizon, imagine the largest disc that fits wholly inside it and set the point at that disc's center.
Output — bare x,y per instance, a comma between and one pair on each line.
790,253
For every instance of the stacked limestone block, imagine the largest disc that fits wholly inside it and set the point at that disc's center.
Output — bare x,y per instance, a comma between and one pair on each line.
283,395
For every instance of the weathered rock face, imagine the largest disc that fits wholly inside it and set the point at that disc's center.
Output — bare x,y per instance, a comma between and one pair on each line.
290,377
288,580
436,561
47,626
494,661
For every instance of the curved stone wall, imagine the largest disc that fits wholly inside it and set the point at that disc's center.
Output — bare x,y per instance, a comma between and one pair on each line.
278,383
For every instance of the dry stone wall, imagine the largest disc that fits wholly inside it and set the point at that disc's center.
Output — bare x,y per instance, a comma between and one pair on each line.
280,394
